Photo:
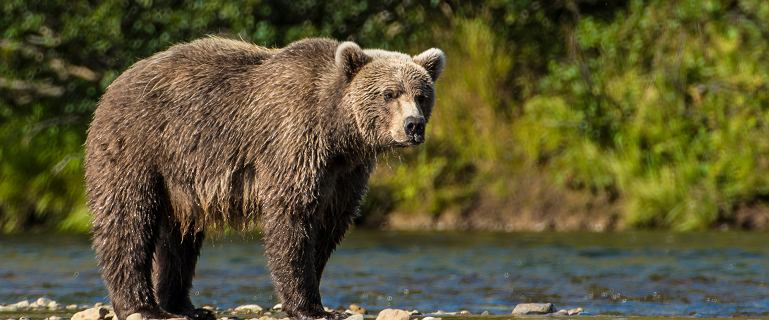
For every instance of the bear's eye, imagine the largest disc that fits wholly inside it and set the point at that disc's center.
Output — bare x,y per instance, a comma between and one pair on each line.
389,95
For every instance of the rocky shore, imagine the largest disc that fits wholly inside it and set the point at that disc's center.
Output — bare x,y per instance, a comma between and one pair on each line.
47,309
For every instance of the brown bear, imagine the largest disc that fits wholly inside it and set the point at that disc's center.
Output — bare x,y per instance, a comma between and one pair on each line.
220,132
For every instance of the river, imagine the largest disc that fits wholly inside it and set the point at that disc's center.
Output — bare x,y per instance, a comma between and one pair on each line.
713,274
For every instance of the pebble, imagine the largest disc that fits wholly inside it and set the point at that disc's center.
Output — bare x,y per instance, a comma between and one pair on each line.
574,312
464,313
72,307
18,306
135,316
355,309
415,312
393,314
53,318
444,313
45,303
533,308
22,305
278,307
8,308
25,305
249,308
210,307
95,313
355,317
485,313
431,318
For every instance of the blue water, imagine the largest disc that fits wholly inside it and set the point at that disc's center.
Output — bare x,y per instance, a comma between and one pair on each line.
644,274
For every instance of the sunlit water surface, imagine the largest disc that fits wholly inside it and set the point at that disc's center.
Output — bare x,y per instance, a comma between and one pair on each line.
650,274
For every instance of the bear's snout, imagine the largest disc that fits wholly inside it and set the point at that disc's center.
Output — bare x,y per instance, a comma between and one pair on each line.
415,129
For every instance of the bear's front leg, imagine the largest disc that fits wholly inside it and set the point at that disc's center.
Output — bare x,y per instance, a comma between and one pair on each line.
289,244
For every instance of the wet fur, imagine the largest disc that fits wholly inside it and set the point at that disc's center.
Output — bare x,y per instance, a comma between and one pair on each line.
218,133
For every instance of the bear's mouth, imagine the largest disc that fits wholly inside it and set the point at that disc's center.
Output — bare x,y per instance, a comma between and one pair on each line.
412,141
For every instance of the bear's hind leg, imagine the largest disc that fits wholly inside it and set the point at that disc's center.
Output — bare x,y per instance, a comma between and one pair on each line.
125,231
174,267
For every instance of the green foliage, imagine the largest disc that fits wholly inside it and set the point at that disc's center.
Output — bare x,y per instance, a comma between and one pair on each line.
666,105
661,105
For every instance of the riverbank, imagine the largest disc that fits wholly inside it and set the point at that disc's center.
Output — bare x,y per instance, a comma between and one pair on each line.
47,309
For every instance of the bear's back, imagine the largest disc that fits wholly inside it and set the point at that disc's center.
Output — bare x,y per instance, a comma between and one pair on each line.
221,51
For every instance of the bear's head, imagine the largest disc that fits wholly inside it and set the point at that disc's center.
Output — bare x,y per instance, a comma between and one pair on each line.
390,94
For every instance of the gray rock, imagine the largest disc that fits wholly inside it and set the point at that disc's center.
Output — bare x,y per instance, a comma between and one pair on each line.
569,312
249,309
22,305
356,309
95,313
135,316
9,308
485,313
533,308
44,304
574,312
355,317
393,314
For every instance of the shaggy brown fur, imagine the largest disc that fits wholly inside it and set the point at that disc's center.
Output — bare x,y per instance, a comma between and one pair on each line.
221,132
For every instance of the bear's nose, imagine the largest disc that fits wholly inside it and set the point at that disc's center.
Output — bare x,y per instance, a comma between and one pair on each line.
414,127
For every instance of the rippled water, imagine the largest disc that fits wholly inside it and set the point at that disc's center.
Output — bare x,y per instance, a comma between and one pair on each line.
651,274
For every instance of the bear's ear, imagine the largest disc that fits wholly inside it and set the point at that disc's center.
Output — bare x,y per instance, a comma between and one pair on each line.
350,58
432,60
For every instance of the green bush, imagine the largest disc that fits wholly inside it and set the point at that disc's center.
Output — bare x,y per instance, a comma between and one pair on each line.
665,103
